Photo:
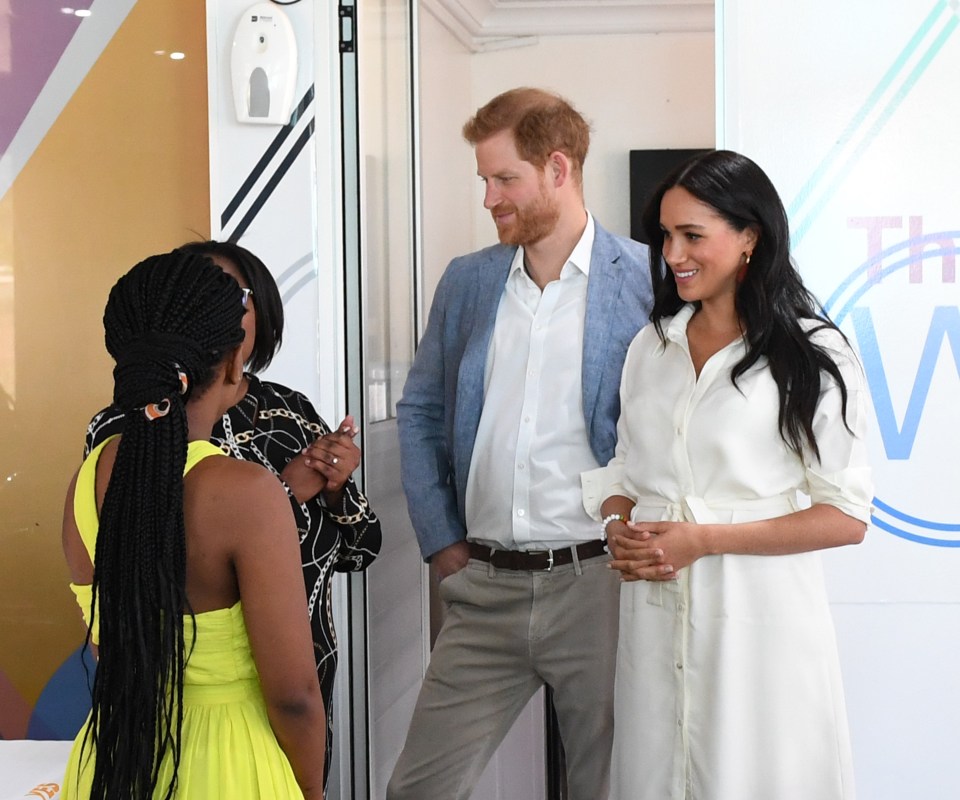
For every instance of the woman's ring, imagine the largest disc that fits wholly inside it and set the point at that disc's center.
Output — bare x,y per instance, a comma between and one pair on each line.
335,460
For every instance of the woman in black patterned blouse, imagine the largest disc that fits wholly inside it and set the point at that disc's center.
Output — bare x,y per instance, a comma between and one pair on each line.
280,429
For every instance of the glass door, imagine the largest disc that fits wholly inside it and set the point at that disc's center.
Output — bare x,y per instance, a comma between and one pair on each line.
380,247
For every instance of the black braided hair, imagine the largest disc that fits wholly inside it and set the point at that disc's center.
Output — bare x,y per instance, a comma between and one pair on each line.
266,297
774,305
171,313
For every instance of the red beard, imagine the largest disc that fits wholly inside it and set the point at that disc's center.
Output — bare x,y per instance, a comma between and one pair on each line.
529,225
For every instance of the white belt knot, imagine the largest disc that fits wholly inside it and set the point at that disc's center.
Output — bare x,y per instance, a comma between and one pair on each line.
691,508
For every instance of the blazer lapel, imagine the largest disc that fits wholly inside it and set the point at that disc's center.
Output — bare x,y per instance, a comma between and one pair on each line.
491,276
603,291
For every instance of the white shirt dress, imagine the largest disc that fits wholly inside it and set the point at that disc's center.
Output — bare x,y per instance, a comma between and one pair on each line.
728,681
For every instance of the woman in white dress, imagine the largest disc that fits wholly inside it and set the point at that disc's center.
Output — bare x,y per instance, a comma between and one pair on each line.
739,395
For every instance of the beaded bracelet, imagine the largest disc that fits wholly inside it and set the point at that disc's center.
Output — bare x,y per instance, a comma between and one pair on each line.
607,520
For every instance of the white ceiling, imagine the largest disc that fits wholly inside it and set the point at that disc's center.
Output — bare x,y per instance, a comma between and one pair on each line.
491,24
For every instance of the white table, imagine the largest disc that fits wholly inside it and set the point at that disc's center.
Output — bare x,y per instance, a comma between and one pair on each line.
32,769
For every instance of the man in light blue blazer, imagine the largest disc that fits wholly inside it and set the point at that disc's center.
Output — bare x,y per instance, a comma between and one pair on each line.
514,392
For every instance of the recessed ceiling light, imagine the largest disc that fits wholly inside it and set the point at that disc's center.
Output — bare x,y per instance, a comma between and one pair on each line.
82,12
177,56
66,10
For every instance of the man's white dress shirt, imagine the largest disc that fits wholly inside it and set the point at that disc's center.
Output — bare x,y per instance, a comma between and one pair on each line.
523,490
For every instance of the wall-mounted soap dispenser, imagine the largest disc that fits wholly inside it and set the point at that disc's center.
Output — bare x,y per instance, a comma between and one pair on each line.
263,65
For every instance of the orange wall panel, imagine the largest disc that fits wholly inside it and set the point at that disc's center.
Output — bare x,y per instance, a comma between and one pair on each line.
121,174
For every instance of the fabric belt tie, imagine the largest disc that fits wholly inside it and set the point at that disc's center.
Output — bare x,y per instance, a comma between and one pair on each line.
695,509
535,560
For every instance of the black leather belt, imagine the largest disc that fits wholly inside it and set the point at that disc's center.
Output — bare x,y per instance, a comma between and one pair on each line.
536,559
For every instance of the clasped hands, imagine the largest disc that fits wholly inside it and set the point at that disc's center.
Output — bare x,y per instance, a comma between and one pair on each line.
653,551
325,466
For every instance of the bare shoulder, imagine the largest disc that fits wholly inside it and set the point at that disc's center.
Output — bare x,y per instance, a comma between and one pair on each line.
232,471
243,495
78,560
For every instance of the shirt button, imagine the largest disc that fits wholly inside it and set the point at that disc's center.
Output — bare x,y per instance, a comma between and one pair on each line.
679,665
679,431
526,419
680,608
520,512
520,465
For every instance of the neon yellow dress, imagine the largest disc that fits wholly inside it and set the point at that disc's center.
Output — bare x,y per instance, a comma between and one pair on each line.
228,749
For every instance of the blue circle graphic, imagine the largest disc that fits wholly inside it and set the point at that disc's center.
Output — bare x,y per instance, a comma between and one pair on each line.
846,296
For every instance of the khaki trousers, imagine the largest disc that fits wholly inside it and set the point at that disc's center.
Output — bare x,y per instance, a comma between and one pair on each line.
506,633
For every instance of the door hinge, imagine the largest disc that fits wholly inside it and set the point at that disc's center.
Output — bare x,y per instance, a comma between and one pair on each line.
348,29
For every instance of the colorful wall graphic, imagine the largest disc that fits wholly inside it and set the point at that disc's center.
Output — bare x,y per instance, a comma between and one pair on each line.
851,109
103,160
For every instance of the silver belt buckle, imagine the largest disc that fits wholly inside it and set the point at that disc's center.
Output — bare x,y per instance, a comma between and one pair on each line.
549,559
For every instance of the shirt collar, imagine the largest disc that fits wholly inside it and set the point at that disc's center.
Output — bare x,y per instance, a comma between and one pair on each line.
676,330
579,257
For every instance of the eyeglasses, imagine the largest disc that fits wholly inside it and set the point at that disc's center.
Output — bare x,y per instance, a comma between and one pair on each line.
246,296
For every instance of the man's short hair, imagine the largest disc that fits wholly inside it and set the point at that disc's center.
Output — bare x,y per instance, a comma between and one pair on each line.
541,123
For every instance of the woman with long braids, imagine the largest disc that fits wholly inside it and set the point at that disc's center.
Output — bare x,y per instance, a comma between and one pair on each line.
739,395
278,427
186,567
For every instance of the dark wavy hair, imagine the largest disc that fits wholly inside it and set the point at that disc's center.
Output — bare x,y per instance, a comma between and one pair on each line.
771,300
266,297
170,314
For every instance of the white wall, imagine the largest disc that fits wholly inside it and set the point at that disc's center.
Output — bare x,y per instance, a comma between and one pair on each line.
447,168
632,92
293,233
639,92
845,105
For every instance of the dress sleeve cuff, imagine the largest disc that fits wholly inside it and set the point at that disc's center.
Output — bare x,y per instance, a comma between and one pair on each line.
599,484
850,490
